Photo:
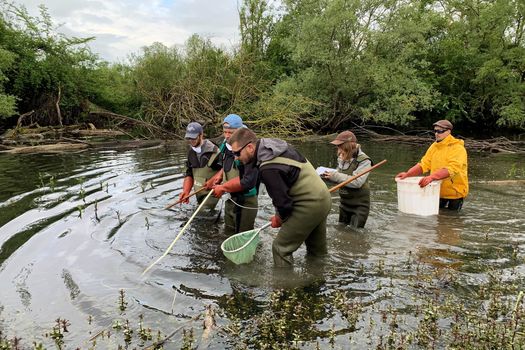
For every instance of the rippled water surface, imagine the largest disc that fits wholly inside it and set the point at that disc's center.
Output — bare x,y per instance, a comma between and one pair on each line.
77,228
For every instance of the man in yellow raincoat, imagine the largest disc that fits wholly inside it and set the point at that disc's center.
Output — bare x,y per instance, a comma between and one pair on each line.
446,159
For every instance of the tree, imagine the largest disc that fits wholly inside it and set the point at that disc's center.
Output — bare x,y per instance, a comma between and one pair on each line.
7,102
51,73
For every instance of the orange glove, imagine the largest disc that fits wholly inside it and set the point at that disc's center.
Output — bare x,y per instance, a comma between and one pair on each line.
231,186
437,175
414,171
276,221
214,180
186,189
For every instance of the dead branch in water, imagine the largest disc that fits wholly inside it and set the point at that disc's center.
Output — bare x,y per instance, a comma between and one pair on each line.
52,148
152,128
493,145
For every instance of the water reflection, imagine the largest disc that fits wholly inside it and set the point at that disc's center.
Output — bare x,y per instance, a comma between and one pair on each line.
77,228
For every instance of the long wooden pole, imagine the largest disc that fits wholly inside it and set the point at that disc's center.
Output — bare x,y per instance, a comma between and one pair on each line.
184,198
344,183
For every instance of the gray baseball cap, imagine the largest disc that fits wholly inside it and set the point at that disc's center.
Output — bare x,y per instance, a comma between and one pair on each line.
193,130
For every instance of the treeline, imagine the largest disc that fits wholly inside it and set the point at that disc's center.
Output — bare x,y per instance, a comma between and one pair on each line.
308,65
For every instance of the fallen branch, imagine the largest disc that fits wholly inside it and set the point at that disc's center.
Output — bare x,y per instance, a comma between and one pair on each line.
22,116
56,147
501,182
136,122
494,145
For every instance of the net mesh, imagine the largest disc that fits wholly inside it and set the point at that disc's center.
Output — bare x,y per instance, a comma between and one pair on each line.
240,248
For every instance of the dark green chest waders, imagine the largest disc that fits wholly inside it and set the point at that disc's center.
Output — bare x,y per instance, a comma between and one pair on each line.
354,206
307,223
238,219
200,176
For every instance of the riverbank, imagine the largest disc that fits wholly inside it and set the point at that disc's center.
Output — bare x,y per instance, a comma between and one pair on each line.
79,137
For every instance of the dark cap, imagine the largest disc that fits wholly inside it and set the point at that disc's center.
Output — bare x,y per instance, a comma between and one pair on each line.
343,137
193,130
445,124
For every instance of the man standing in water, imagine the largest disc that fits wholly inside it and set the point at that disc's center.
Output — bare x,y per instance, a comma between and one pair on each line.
300,197
203,162
241,209
446,159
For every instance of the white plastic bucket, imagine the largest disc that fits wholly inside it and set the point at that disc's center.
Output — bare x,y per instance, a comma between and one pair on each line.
412,199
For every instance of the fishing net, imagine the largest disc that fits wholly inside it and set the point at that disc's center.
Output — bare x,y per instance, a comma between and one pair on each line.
240,248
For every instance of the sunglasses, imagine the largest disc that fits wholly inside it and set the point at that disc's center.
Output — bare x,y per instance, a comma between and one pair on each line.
238,152
440,131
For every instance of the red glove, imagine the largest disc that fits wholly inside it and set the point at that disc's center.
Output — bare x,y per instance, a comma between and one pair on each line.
218,191
214,180
276,221
414,171
437,175
186,189
231,186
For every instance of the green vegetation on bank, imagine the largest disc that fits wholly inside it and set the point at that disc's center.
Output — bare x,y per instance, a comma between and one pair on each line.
309,65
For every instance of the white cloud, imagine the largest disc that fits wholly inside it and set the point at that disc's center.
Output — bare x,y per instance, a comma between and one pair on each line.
122,27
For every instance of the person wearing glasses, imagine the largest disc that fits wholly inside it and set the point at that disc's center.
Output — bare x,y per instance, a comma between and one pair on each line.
241,209
354,205
300,197
202,163
446,160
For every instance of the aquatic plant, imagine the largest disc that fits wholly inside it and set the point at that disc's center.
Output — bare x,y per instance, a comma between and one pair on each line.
122,303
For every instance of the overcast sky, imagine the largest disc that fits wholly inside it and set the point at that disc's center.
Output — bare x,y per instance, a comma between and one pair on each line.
122,27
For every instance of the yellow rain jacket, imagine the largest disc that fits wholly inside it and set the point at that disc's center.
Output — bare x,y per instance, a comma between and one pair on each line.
449,153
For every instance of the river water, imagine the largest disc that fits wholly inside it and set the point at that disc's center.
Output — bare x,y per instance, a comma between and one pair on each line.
77,228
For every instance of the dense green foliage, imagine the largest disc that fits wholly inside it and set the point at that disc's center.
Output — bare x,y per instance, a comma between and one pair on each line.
48,68
309,65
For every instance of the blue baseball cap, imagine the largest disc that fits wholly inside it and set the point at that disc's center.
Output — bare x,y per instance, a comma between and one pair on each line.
234,121
193,130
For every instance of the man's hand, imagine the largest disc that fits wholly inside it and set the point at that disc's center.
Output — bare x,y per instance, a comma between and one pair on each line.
425,181
276,221
231,186
414,171
183,198
437,175
218,191
402,175
214,180
187,185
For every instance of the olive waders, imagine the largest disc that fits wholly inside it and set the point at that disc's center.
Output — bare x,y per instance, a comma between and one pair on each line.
238,219
200,176
307,223
354,205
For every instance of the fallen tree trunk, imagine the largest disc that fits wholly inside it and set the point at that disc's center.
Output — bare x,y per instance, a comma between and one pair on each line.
51,148
98,132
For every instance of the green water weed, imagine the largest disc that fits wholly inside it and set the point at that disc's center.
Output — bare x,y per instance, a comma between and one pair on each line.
188,338
122,303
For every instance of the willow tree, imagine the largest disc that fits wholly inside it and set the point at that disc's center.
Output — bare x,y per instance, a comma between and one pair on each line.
176,86
7,102
51,73
334,47
480,62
